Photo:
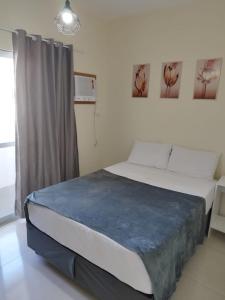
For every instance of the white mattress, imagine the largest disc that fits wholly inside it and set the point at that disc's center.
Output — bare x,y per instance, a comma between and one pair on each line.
101,250
169,180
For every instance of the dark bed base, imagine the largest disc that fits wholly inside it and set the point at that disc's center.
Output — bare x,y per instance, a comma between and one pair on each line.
98,282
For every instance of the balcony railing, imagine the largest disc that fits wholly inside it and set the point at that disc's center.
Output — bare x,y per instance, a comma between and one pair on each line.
7,181
6,145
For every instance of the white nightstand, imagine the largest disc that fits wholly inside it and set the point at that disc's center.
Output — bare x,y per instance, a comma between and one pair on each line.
218,221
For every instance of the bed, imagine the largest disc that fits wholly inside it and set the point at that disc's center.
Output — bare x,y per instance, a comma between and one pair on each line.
95,259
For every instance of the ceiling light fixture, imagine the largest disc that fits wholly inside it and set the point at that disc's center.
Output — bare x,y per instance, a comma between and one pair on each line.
67,21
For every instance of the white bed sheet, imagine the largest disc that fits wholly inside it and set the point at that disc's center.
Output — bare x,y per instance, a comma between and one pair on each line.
168,180
124,264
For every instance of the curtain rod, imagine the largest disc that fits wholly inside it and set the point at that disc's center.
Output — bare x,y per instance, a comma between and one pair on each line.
32,36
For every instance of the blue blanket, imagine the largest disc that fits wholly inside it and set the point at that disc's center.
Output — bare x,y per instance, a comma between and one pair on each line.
163,227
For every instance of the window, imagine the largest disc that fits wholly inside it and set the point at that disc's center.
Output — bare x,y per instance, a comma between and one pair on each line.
7,135
7,107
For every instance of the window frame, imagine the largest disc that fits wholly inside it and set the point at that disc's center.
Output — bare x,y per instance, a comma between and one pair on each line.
11,217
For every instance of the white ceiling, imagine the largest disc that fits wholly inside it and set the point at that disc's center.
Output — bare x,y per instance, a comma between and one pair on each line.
111,9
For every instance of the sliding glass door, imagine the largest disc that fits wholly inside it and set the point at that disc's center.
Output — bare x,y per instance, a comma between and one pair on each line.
7,136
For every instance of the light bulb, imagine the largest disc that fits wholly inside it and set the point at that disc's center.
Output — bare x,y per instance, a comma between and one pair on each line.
67,17
67,21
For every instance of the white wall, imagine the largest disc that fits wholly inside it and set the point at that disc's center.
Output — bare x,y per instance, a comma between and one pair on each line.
182,34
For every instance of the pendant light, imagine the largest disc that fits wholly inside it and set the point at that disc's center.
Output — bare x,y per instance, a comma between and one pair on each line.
67,21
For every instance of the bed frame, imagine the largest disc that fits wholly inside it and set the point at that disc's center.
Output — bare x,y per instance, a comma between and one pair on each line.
97,281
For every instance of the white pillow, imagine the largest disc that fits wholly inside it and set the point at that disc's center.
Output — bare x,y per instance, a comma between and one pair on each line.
193,163
150,154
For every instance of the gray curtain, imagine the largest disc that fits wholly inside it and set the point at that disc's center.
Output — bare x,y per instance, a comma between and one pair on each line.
46,140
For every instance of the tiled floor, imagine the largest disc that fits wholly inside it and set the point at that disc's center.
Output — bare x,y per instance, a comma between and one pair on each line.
24,275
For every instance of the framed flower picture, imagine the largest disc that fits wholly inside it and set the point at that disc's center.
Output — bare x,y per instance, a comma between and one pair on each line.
140,84
207,78
170,79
